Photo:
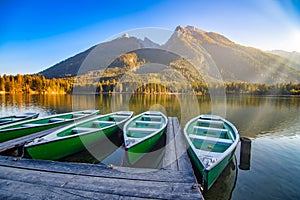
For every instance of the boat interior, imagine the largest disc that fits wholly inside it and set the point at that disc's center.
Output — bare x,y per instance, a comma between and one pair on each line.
96,124
210,135
56,119
145,124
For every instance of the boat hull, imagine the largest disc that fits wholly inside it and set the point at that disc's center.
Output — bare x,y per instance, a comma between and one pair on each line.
58,149
14,119
135,153
209,177
6,135
142,133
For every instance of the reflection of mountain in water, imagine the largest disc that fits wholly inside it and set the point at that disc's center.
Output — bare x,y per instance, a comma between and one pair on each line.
225,184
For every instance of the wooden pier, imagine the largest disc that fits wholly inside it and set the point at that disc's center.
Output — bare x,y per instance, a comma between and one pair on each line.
37,179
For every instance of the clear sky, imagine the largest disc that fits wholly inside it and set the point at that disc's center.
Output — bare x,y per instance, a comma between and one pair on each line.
34,35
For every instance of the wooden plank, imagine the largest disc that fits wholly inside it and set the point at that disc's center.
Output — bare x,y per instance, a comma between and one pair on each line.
96,170
20,190
169,160
114,186
181,150
22,140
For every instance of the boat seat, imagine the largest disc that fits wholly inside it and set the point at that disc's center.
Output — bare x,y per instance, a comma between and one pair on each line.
79,115
83,129
152,118
153,113
210,123
142,130
150,123
31,125
211,139
210,130
118,117
124,113
57,120
210,117
105,123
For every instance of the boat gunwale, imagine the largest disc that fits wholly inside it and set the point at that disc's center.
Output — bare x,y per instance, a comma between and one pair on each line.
6,127
27,117
28,145
231,148
139,140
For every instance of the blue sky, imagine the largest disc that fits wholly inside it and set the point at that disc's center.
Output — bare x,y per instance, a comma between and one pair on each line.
34,35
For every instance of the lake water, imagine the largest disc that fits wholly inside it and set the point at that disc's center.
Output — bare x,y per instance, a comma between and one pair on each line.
273,124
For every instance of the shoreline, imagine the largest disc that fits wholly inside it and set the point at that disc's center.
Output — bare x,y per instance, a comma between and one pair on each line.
147,94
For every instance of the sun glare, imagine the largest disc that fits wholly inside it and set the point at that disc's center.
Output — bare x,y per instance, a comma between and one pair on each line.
295,40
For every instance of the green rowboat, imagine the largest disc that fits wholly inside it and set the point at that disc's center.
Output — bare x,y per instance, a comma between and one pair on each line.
142,132
17,118
19,129
77,137
212,142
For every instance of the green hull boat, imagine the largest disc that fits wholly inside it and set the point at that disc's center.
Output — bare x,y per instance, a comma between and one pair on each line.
212,142
19,129
17,118
142,132
75,138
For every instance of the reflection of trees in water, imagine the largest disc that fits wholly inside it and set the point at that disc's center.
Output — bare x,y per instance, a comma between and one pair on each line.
261,115
44,104
253,115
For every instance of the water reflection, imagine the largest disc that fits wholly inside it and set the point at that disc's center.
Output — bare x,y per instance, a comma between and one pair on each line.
225,184
110,151
273,123
44,104
253,116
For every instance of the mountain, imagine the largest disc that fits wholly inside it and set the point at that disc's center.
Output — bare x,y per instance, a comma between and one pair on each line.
68,67
294,57
90,60
195,54
239,63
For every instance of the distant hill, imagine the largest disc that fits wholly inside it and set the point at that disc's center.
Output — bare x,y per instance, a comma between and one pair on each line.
294,57
234,62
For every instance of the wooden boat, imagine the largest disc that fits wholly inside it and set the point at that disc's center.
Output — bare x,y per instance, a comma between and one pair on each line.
17,118
74,138
211,141
19,129
142,132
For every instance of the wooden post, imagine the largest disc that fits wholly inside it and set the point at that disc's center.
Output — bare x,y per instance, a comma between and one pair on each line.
245,154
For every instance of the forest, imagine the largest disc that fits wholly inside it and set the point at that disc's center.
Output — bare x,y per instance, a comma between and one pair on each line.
38,84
